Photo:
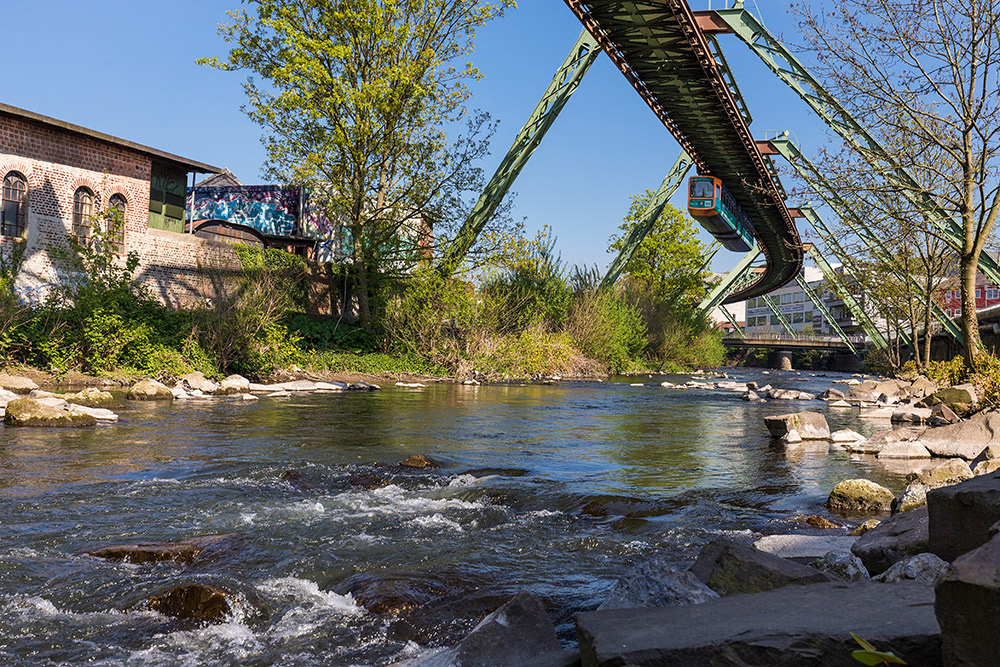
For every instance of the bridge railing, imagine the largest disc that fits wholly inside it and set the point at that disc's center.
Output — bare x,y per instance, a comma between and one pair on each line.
804,337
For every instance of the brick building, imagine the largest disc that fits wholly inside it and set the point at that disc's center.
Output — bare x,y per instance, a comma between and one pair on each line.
57,175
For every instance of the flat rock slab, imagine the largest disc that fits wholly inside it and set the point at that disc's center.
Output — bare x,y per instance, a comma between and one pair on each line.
796,625
804,546
728,567
965,439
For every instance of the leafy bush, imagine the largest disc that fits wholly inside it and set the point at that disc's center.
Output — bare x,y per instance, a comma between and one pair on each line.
330,334
607,329
947,373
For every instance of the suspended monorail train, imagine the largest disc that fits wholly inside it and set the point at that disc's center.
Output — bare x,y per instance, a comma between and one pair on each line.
710,203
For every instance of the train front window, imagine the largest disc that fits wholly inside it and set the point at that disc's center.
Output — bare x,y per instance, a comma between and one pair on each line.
702,189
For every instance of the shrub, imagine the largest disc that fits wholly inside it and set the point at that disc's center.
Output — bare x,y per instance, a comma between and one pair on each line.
607,329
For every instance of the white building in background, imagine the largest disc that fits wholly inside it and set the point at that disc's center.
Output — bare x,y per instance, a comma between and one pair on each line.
805,318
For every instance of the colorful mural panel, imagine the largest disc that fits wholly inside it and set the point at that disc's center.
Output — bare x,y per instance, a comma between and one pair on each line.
270,209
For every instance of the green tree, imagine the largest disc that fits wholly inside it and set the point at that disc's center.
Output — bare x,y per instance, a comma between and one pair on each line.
669,262
355,99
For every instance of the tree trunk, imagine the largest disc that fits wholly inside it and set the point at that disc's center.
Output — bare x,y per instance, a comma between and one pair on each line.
928,334
968,265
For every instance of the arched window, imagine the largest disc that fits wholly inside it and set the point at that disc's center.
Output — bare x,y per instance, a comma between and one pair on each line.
83,210
117,230
15,209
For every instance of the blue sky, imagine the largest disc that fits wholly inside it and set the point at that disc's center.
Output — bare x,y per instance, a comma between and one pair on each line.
126,67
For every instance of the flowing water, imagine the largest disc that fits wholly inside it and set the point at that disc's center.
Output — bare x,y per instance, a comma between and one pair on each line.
339,556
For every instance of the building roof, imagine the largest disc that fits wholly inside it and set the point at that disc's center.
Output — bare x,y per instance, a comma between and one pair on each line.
161,156
221,179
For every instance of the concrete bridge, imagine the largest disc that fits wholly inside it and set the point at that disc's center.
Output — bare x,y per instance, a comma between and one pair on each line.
782,346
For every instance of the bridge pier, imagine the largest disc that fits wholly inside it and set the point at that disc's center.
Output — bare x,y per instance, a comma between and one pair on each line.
780,360
846,363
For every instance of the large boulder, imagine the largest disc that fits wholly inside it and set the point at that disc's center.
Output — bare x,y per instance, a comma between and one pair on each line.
913,449
967,603
809,425
30,412
17,384
654,583
965,439
234,384
962,515
895,539
959,398
921,387
149,390
728,567
910,415
864,392
91,397
509,637
860,496
795,625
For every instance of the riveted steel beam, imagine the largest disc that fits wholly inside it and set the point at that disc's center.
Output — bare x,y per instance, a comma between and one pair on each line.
563,85
740,273
827,315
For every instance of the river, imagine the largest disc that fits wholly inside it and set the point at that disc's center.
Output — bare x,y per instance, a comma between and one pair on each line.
553,489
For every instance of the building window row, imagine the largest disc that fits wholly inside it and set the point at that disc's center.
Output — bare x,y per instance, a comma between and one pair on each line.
14,212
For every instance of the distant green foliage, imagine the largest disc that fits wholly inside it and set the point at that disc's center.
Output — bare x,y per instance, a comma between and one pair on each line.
330,334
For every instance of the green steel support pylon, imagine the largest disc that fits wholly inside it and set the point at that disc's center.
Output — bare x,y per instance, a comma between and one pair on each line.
782,320
845,295
732,320
673,180
727,284
565,82
817,181
794,74
710,253
827,315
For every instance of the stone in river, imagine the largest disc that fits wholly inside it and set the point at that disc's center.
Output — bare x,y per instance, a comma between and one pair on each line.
913,449
17,383
655,583
197,380
199,602
29,412
418,461
794,625
810,425
728,567
843,565
965,439
895,539
235,384
959,398
181,551
149,390
846,435
797,545
860,496
509,637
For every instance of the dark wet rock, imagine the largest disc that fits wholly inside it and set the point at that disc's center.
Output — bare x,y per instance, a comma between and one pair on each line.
959,398
860,496
498,472
30,412
363,386
962,515
182,551
200,602
367,480
728,567
795,625
418,461
656,583
842,565
965,439
149,390
809,425
922,567
513,634
17,383
444,621
864,527
624,506
394,592
968,606
893,540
